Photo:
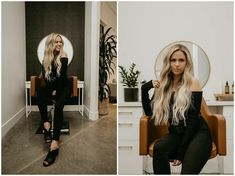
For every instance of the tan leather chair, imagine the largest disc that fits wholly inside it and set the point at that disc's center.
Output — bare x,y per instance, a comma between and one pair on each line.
149,133
37,81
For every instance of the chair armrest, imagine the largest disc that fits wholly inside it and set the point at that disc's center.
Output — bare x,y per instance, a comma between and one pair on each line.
217,124
143,142
74,80
149,133
34,83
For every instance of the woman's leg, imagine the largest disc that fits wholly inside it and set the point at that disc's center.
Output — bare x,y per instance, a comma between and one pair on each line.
42,94
197,154
162,149
62,98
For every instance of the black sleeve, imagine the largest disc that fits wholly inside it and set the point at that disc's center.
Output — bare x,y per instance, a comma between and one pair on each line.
62,81
146,102
64,62
43,70
192,121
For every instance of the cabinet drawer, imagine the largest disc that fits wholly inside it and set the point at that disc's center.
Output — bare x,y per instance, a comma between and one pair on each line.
127,112
129,161
228,111
128,129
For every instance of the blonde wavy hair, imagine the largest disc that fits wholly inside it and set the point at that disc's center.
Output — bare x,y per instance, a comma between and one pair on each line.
49,55
182,95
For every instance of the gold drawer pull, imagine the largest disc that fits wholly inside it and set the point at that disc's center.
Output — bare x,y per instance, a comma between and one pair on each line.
125,124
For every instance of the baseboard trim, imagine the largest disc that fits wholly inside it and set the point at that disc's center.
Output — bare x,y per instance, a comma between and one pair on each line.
12,121
92,115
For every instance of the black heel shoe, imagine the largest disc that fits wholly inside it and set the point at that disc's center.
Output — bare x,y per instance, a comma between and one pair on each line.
47,135
51,156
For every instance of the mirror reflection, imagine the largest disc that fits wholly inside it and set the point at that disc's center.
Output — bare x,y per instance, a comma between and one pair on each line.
67,47
201,64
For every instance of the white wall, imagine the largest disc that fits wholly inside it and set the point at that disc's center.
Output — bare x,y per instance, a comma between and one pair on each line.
92,23
13,63
108,16
145,28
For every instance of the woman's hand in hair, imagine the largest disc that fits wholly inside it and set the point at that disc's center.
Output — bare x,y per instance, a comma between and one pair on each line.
156,83
176,163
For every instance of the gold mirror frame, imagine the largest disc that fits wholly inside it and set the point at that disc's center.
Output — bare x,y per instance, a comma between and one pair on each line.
203,69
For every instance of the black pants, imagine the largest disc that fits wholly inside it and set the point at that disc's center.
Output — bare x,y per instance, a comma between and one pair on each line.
195,157
44,96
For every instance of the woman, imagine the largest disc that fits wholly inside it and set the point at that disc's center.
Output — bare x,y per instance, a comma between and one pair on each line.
57,88
177,101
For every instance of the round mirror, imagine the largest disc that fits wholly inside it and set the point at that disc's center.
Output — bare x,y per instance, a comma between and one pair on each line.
201,64
68,48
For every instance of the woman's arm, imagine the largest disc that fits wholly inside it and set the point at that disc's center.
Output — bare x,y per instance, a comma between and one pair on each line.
146,102
64,62
192,120
62,81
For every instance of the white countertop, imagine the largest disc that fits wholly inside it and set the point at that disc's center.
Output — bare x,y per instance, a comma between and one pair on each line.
219,103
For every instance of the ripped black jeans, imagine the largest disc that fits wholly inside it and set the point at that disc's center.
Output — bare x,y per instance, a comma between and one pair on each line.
44,97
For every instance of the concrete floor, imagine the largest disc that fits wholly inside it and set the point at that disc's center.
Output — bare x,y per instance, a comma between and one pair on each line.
89,149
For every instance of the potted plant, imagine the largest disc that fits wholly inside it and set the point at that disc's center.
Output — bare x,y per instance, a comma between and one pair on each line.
107,52
130,79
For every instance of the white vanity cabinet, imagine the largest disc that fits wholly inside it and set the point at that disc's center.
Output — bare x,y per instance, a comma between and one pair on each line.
129,160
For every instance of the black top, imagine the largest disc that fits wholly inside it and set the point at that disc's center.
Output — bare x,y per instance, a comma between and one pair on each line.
194,121
57,82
